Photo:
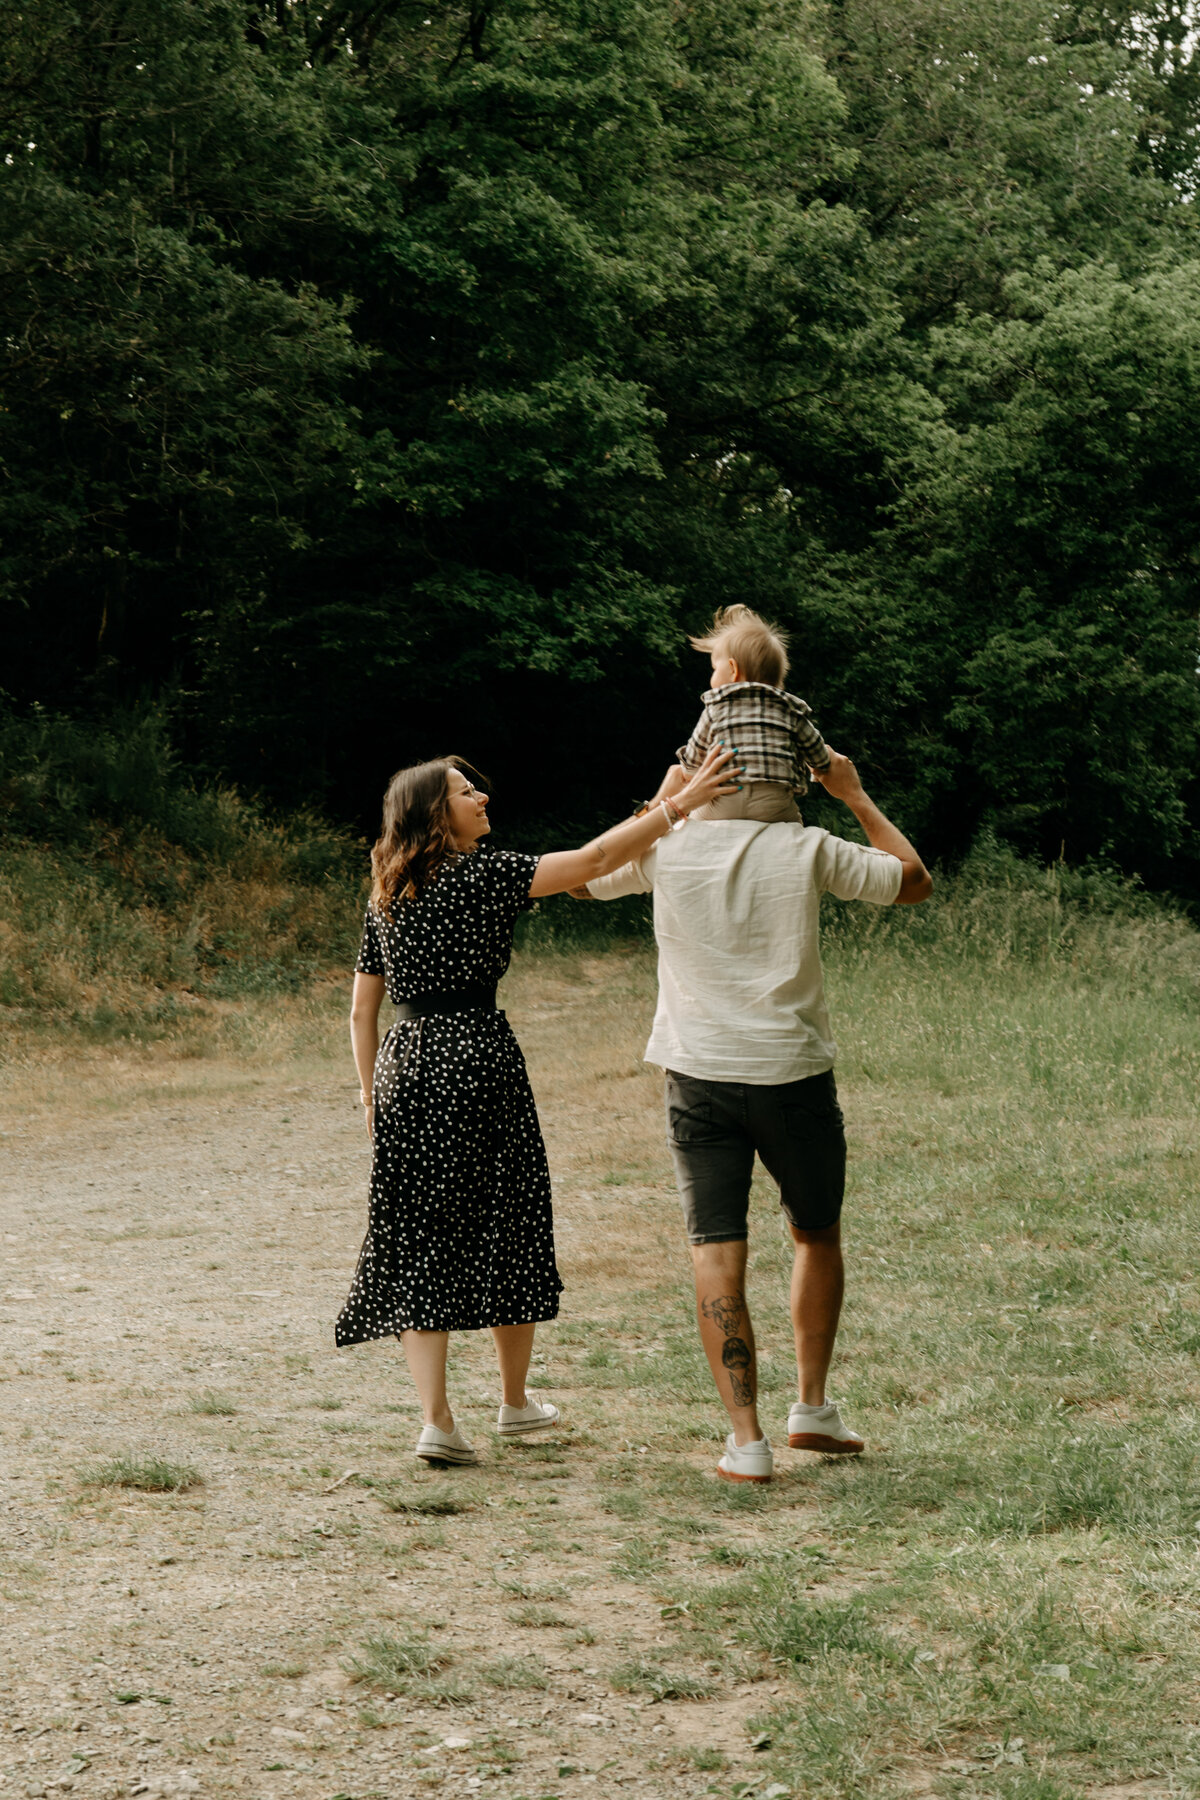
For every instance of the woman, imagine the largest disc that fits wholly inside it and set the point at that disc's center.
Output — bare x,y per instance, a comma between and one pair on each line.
460,1233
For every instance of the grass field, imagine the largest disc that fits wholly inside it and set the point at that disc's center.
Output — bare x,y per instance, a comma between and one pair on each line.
1002,1598
1004,1593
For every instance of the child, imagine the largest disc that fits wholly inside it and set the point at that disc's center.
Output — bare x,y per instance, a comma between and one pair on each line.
747,710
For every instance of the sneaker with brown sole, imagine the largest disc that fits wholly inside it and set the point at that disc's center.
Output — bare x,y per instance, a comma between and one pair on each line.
821,1428
746,1462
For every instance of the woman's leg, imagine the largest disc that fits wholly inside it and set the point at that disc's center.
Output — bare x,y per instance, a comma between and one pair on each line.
514,1347
426,1354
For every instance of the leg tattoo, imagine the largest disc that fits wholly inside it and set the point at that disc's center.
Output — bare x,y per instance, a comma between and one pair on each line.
724,1312
727,1312
737,1359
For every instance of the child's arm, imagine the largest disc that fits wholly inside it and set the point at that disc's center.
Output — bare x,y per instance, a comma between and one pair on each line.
810,745
692,754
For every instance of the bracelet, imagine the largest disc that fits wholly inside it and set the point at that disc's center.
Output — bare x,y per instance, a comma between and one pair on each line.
678,811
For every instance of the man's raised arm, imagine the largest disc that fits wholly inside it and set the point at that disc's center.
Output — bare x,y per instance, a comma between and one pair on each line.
841,779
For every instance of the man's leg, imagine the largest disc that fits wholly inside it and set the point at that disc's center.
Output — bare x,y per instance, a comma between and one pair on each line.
799,1134
714,1163
814,1422
818,1279
727,1334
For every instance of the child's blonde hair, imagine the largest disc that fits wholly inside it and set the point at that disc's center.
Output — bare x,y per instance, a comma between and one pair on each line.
758,649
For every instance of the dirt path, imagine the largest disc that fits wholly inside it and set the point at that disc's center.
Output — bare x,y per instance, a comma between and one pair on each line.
177,1242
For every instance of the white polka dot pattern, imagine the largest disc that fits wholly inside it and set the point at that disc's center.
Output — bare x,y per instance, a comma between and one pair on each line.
460,1229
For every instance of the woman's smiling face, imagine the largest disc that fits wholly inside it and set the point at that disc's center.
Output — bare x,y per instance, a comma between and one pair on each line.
468,810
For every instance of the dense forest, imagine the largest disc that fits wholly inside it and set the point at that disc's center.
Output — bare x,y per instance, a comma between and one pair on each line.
380,379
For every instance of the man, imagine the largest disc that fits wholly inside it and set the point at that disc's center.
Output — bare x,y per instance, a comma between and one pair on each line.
742,1032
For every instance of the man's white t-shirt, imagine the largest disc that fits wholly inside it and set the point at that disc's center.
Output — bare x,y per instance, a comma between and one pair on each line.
741,995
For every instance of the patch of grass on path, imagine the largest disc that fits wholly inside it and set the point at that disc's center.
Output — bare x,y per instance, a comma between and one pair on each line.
216,1406
147,1474
388,1661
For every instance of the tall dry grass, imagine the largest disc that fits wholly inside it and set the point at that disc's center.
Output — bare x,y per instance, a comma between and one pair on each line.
137,906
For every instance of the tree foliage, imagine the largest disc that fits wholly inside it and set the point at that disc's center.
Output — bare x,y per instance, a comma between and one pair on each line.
382,377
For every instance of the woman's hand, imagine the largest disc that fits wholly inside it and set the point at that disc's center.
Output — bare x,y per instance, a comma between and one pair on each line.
716,777
369,991
370,1117
562,870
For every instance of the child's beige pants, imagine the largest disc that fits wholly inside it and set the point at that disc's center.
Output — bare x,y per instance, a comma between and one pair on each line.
770,802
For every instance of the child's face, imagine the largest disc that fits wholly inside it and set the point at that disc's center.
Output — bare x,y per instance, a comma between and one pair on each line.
724,669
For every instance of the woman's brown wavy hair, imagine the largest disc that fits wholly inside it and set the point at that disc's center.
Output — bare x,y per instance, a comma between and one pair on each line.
415,841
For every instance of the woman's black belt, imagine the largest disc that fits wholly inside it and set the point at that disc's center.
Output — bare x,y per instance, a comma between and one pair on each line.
421,1006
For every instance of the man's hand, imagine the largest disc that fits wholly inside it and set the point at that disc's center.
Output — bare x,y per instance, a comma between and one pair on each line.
841,779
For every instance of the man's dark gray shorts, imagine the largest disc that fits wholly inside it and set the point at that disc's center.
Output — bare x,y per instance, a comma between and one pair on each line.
714,1129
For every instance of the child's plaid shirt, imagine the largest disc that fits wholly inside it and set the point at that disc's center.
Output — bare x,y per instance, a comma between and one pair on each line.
771,730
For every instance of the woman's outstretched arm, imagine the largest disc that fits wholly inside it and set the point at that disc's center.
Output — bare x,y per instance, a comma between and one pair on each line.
364,1032
565,869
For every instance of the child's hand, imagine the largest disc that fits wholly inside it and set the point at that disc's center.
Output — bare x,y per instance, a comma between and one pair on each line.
841,778
580,893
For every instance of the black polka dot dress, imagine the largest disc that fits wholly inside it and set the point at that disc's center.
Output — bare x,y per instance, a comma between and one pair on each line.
460,1230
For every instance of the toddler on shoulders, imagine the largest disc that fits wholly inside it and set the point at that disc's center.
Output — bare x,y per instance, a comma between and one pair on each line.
747,710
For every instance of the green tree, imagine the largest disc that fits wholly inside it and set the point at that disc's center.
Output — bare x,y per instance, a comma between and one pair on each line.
386,377
169,407
990,134
609,316
1060,540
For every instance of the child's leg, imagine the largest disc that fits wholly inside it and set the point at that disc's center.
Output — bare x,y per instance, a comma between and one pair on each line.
766,802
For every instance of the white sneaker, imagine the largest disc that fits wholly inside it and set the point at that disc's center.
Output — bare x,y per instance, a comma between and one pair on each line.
434,1446
747,1462
821,1428
535,1414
